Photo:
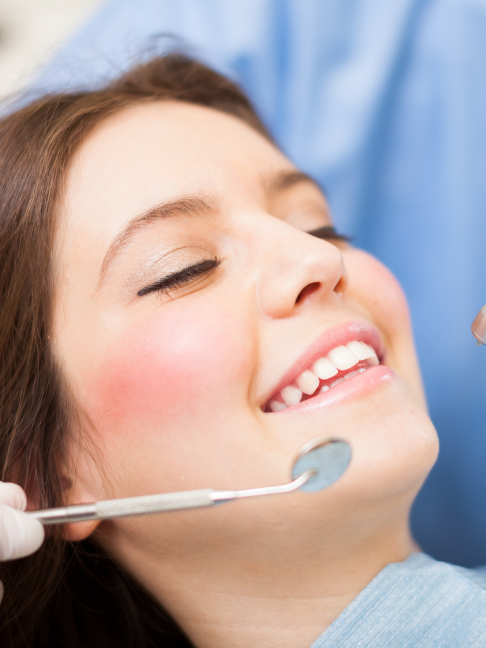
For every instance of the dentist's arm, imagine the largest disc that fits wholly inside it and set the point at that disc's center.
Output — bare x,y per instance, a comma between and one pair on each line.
20,534
478,327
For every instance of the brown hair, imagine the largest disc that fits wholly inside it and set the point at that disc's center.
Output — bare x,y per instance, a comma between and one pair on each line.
66,594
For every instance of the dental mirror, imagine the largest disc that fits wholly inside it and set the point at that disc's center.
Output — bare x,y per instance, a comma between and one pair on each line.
319,464
328,458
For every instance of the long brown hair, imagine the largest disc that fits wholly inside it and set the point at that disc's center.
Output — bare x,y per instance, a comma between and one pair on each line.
67,594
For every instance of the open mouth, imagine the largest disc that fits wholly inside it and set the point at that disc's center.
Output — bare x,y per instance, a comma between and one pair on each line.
342,363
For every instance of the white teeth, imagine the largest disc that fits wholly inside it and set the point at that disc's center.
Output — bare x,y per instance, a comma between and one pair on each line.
308,382
343,358
337,382
373,357
291,395
372,351
324,368
277,406
362,350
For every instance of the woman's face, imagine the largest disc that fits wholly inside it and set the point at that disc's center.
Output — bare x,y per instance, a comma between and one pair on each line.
178,370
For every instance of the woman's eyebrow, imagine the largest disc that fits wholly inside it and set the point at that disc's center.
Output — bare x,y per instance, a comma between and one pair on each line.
286,179
194,205
191,205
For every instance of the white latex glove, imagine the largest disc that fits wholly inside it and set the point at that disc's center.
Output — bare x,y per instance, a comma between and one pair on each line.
20,534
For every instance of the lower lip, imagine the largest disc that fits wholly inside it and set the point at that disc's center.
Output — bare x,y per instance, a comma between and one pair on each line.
352,388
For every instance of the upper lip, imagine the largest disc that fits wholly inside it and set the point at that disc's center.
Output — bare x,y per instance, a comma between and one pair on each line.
340,335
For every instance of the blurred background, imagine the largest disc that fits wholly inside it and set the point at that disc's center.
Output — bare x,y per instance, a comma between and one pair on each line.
30,33
384,103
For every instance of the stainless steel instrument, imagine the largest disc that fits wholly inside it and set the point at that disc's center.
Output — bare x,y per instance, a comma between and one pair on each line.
319,464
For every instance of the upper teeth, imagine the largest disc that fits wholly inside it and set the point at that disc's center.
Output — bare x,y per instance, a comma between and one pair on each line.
308,382
338,359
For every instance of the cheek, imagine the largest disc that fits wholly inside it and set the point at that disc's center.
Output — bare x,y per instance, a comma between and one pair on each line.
375,287
181,368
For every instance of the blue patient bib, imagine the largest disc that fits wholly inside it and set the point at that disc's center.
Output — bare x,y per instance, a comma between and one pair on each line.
418,603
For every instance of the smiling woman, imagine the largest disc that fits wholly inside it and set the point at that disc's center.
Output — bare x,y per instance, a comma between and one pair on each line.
178,312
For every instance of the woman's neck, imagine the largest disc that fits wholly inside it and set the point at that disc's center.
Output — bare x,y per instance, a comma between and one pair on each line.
284,598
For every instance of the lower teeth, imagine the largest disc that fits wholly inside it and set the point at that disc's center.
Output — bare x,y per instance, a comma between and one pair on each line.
337,382
326,388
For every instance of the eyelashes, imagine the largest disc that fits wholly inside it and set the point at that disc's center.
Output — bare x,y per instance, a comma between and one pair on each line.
192,272
328,232
181,277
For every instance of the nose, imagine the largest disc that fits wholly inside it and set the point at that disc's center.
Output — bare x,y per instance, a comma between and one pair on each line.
296,267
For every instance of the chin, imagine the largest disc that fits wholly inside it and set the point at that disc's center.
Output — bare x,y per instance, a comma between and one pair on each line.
395,445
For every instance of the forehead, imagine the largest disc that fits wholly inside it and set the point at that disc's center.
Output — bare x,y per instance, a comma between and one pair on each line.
155,152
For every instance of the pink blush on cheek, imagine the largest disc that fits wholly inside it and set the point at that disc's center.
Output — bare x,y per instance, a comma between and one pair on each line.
169,368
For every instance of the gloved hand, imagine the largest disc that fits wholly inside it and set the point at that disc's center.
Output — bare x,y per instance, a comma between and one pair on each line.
20,534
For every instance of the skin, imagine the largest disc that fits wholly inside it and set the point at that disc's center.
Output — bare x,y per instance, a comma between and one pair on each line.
171,385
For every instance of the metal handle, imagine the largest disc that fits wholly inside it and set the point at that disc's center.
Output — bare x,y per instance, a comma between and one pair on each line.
147,504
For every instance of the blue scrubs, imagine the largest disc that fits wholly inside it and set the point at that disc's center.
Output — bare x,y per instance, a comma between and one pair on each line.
385,104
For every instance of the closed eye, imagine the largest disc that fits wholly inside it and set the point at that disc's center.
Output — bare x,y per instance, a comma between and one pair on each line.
181,277
188,274
330,233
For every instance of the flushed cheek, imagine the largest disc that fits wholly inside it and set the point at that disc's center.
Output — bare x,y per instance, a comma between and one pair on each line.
375,286
181,369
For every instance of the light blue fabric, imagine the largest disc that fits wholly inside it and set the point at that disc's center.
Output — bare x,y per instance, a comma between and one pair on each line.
384,103
419,603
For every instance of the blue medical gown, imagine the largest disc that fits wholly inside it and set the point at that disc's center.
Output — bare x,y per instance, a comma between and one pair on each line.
385,104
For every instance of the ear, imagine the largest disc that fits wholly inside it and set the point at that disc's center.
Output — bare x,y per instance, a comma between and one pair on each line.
78,494
74,494
80,530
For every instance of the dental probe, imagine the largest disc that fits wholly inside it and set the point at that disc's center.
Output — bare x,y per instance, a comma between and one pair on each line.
320,462
478,327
